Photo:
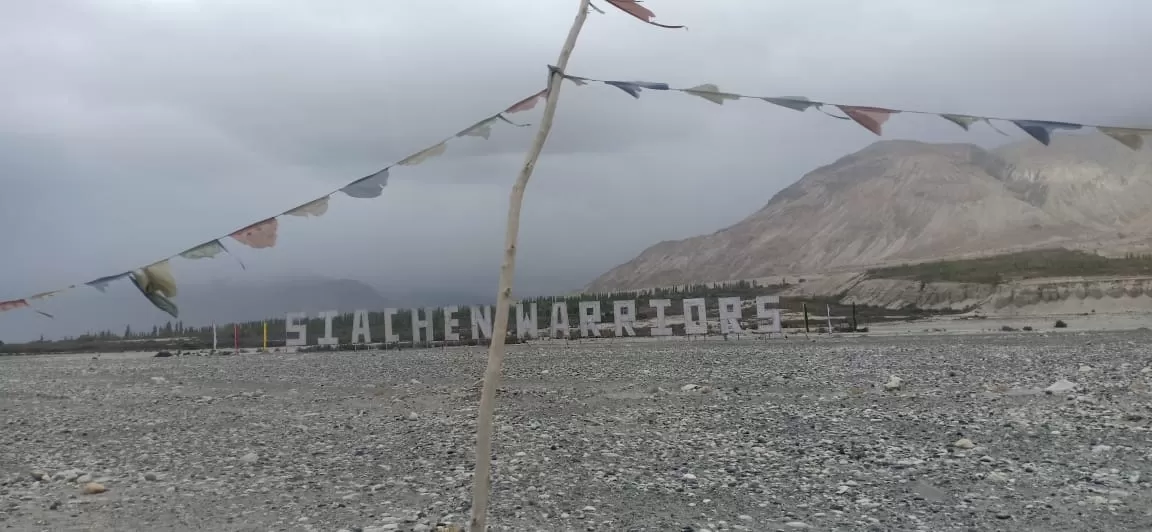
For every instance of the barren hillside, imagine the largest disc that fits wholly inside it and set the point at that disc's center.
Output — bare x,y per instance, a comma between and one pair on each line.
900,201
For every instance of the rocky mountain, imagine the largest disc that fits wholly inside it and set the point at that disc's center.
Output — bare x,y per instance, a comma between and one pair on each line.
905,201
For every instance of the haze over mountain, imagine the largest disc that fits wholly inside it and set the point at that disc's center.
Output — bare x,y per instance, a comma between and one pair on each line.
902,201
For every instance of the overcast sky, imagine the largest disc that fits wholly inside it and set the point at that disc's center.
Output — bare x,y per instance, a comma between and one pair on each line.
131,130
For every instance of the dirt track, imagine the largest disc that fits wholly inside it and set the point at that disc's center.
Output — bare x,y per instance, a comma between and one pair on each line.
784,434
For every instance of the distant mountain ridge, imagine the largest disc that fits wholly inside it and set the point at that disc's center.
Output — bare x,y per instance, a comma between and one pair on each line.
900,201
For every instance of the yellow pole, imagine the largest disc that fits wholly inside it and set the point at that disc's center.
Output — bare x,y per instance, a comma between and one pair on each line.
265,336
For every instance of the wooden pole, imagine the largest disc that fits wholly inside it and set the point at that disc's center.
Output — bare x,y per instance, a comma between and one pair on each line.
481,480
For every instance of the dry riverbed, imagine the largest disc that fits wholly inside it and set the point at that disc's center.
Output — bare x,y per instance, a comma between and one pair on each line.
792,434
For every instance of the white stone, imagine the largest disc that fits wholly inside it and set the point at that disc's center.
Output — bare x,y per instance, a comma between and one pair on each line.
963,443
1061,386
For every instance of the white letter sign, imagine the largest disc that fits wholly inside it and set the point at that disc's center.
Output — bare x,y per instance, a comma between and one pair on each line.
390,336
589,318
624,317
360,327
695,317
327,339
293,325
765,309
526,326
560,325
481,322
424,324
661,327
730,314
450,323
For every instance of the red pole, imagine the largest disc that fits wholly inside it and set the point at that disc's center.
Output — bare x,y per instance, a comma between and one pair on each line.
236,336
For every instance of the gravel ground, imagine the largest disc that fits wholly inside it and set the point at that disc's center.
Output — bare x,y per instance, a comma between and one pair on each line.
790,434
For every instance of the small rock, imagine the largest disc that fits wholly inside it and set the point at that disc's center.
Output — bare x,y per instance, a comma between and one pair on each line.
92,488
689,388
413,416
963,443
250,458
150,476
894,383
1061,386
797,524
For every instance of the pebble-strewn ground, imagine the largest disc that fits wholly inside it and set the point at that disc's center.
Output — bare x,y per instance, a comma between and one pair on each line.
784,434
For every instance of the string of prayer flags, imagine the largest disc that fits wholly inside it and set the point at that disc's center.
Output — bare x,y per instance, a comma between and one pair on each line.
315,208
633,7
157,284
258,235
367,187
873,118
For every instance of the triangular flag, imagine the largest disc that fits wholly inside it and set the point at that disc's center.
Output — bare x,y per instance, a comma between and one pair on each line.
157,284
316,207
482,129
872,118
424,155
102,283
796,103
963,121
1041,130
632,7
993,126
158,299
367,187
45,295
711,93
633,88
527,103
158,278
1131,137
258,235
206,250
13,304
